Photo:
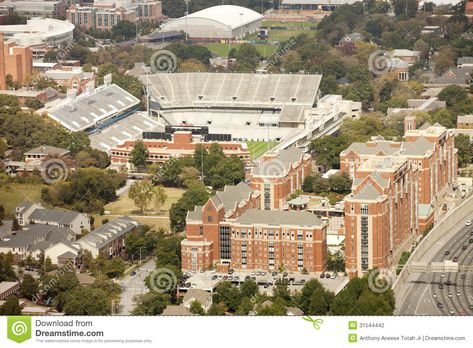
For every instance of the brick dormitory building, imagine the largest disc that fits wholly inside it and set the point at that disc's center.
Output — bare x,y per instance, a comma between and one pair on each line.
238,228
395,188
181,144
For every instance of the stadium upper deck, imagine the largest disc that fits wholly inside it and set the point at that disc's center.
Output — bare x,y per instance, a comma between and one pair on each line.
285,96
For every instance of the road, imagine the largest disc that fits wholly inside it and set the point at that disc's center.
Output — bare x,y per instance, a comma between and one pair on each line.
429,289
134,285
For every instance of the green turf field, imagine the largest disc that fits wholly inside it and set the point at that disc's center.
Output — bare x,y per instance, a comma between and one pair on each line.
257,148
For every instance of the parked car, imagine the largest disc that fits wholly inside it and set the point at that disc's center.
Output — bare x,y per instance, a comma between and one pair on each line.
322,275
284,274
448,282
463,276
464,247
455,259
440,286
440,305
447,253
334,275
274,274
214,277
450,294
230,271
470,240
468,223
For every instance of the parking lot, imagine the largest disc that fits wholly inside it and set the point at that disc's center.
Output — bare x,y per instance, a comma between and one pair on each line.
208,280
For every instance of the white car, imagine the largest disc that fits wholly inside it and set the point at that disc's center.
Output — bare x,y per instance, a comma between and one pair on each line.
468,223
450,295
334,275
434,295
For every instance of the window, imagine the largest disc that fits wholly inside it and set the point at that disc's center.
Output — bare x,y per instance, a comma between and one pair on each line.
209,218
364,209
225,243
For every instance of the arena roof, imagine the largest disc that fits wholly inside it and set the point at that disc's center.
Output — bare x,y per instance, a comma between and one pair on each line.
39,30
86,111
228,15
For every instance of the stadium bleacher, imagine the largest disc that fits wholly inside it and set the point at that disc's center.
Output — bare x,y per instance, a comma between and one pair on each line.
225,95
98,109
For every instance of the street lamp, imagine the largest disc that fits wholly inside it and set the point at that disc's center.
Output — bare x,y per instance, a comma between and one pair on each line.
241,26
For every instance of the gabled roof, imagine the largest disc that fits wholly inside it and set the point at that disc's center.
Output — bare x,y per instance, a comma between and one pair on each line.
279,165
368,192
417,148
46,150
108,232
198,295
365,149
195,214
232,195
57,216
425,125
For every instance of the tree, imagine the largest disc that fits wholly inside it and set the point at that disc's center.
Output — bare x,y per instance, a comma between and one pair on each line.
314,299
114,268
444,59
196,308
123,30
406,8
159,196
249,289
33,103
11,306
452,95
308,184
281,291
29,287
340,183
141,193
327,150
139,154
189,176
192,65
216,309
247,58
152,303
195,195
87,301
227,294
465,149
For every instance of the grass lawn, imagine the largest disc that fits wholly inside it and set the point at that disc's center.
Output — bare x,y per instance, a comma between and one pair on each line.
124,205
289,24
257,148
14,194
152,221
221,49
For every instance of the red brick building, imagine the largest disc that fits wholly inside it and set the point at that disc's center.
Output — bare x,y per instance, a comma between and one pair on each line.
15,61
182,144
394,187
230,230
278,175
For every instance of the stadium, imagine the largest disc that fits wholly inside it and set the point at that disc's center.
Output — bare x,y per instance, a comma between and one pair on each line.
248,106
217,23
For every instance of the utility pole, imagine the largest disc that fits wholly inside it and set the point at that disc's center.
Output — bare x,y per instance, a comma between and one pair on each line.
241,25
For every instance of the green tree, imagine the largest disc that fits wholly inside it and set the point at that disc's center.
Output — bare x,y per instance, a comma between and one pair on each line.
152,303
340,183
142,194
216,309
465,149
139,154
452,95
249,289
87,301
327,150
29,287
196,308
195,195
227,294
11,306
114,268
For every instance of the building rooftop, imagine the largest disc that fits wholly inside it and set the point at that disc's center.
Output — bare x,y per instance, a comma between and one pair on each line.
109,232
58,216
277,218
37,237
278,165
232,195
198,295
465,119
88,110
46,150
419,147
367,192
229,15
176,310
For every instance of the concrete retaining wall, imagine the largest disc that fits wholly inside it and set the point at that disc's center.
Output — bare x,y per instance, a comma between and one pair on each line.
448,222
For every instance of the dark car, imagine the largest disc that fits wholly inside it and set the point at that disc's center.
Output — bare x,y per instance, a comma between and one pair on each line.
133,273
464,247
470,240
463,276
455,259
322,275
274,274
284,274
471,233
447,253
440,305
440,286
247,277
302,281
448,282
225,277
214,277
230,271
